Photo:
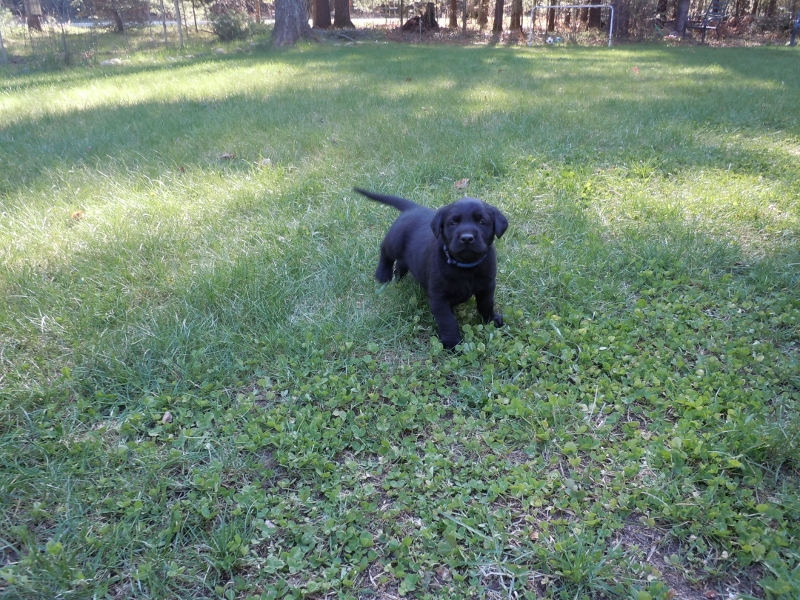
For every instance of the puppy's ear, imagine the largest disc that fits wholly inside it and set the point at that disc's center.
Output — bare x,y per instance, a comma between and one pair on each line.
499,220
437,224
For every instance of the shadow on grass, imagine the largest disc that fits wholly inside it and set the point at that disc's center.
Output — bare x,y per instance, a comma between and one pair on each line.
474,111
561,106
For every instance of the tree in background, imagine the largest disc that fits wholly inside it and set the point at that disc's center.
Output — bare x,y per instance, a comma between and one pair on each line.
516,15
452,13
322,14
681,18
341,14
119,12
483,13
499,7
291,22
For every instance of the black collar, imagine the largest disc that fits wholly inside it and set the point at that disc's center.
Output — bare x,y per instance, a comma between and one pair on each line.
451,261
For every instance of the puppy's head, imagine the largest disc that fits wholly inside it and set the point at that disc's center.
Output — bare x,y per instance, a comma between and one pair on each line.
468,227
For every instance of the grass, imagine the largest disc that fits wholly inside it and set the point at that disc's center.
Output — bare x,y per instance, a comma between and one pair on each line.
204,393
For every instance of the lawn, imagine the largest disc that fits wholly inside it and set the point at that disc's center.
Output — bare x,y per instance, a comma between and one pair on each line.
205,394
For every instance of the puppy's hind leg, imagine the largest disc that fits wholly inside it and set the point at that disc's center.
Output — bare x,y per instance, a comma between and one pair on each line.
385,268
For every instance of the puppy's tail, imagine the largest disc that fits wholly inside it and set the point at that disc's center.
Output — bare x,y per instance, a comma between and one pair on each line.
400,204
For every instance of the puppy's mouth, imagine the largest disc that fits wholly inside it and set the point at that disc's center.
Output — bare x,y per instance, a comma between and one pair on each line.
468,256
467,252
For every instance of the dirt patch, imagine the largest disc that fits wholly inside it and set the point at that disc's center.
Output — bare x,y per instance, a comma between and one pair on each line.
655,547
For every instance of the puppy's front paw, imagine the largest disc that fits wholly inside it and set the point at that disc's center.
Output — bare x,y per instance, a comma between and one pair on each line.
383,274
497,319
450,342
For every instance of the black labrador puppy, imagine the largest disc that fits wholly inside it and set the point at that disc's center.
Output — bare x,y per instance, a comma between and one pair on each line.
448,251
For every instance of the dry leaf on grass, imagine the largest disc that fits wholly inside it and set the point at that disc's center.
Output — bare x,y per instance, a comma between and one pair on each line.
462,184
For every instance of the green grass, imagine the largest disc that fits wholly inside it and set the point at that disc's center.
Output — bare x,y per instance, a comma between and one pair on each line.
204,393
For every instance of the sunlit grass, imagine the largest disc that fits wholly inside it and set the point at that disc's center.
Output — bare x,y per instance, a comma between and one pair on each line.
192,347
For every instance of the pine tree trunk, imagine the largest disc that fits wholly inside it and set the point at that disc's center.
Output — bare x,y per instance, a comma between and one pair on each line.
341,15
291,22
682,18
516,15
178,19
322,14
499,7
452,13
483,14
595,19
119,24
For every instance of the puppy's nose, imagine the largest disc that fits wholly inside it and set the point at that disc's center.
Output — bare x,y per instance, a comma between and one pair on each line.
467,238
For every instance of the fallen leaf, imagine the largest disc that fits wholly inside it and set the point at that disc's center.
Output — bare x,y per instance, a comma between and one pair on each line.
77,215
710,594
635,70
167,418
462,184
228,156
443,573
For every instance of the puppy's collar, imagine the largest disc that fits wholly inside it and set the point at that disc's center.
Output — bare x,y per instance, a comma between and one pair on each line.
452,261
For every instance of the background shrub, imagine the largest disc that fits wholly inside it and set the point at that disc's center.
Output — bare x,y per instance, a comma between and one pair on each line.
230,26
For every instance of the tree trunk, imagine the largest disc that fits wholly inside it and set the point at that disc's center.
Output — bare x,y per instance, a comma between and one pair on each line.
322,14
483,14
291,22
164,21
622,17
499,7
178,19
194,16
119,24
429,17
551,19
452,13
681,18
34,22
595,19
516,15
341,15
3,55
